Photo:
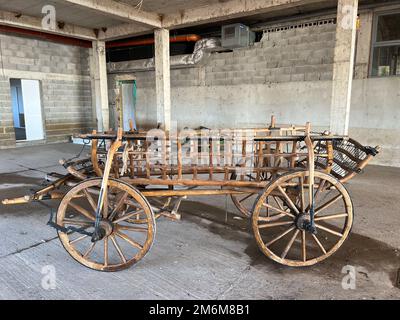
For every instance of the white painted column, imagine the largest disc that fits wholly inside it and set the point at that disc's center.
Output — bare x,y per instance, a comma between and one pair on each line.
343,66
163,78
99,85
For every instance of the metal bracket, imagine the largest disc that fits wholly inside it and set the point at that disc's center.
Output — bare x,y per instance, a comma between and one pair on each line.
69,230
371,151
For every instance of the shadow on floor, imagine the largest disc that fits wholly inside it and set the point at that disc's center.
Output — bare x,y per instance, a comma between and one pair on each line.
358,250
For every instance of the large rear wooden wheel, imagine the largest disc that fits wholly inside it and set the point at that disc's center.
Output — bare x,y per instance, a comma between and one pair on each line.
282,208
127,227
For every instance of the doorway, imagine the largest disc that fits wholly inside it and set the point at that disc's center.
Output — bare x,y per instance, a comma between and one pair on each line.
129,93
27,109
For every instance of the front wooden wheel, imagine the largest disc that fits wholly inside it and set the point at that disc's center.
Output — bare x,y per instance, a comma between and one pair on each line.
281,209
127,225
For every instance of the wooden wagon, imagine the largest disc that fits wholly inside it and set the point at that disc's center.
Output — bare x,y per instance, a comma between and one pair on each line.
286,180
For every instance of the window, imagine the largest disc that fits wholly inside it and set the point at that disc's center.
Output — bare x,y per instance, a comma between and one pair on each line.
386,45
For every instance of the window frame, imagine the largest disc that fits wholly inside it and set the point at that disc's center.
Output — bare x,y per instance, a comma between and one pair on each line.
379,44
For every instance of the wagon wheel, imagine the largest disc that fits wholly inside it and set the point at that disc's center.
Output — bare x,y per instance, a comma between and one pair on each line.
283,207
244,202
123,242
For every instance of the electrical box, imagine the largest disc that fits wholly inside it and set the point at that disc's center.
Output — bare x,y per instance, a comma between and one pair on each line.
237,36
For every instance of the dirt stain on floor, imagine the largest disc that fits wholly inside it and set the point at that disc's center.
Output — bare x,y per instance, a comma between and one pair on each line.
15,186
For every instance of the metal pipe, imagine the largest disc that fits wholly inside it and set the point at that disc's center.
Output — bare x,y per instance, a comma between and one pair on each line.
149,41
46,36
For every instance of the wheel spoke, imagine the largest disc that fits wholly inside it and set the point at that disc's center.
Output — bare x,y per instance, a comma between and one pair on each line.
278,203
302,193
89,251
332,216
303,245
329,230
279,237
90,199
78,239
82,211
317,192
276,224
279,210
106,251
289,201
131,203
117,247
78,222
246,197
129,215
132,242
328,204
319,243
129,228
120,202
289,245
319,189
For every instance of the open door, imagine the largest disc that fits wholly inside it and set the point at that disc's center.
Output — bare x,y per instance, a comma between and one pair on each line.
18,109
32,109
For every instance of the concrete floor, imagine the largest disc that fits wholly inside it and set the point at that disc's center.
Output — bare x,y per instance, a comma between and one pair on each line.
200,257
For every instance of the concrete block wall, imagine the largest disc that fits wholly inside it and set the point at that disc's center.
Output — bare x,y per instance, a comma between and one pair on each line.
67,108
288,74
304,54
243,81
64,74
25,54
7,134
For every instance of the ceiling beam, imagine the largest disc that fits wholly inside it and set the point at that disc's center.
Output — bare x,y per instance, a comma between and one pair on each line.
228,10
120,11
124,30
34,23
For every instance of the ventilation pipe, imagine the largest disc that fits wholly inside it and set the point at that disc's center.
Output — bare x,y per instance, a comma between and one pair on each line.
202,49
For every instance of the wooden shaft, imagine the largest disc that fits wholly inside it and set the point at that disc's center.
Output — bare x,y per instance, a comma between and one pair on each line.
202,192
179,145
107,168
187,182
94,158
311,162
210,157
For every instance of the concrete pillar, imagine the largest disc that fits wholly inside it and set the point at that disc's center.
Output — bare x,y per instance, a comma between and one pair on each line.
163,78
343,66
363,45
99,85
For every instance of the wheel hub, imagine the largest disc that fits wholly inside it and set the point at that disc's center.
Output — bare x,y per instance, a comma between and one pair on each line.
303,223
105,229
